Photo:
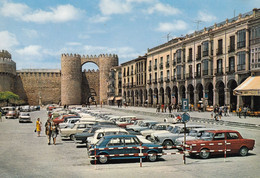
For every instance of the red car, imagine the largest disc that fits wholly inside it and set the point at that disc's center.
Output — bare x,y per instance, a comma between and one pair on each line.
215,142
130,122
62,118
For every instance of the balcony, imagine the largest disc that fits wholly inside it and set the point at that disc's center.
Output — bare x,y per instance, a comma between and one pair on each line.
198,75
230,70
218,72
167,79
231,48
150,68
173,78
178,60
161,65
205,53
198,57
189,76
190,58
219,51
241,67
154,81
241,44
155,67
167,64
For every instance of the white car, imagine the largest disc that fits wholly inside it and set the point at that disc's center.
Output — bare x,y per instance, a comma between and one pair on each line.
69,124
146,124
193,135
124,119
160,126
102,132
24,117
77,128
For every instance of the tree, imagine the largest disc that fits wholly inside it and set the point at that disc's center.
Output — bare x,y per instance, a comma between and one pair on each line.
8,97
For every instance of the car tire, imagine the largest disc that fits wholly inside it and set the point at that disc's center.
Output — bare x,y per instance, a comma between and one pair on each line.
103,159
152,158
243,151
167,143
72,137
204,154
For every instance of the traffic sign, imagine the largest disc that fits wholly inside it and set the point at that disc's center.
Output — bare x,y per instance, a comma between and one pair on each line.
185,117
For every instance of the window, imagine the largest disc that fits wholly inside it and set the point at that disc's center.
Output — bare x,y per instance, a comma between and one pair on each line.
198,70
178,72
155,76
155,64
161,75
132,141
190,71
205,67
190,55
199,53
219,66
179,56
205,48
116,142
168,75
231,64
219,136
220,44
241,38
231,47
232,135
241,60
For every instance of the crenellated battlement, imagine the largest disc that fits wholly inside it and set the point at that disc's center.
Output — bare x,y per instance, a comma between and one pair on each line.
89,56
5,54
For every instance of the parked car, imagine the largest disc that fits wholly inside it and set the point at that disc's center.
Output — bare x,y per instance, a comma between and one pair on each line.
159,126
78,128
125,144
12,115
129,122
24,117
194,134
7,109
69,123
63,118
216,139
102,132
168,138
89,132
25,108
145,125
124,119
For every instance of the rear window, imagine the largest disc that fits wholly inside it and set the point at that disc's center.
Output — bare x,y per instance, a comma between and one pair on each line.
232,135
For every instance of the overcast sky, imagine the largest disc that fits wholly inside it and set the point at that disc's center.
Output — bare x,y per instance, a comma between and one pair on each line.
37,32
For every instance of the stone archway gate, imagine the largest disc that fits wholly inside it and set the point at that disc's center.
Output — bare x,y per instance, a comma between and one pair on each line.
71,75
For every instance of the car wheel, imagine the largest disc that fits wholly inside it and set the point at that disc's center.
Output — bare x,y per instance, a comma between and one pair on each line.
103,159
153,157
168,143
204,153
243,151
72,137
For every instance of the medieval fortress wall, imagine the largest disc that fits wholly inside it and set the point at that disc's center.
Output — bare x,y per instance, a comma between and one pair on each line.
70,85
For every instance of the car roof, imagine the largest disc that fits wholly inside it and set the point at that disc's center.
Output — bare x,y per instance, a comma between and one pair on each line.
202,129
116,136
111,129
218,131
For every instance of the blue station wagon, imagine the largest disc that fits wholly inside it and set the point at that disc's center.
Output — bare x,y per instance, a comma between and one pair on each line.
126,147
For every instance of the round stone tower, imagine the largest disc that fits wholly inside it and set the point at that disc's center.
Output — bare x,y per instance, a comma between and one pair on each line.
71,79
106,62
7,71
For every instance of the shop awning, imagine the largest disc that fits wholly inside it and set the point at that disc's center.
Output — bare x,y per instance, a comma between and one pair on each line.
111,98
250,87
118,98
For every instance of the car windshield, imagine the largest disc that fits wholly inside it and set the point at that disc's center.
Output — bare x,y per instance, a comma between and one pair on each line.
25,114
207,136
169,128
176,130
193,133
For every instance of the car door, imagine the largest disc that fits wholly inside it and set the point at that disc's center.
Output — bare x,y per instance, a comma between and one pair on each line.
218,143
116,143
233,142
131,143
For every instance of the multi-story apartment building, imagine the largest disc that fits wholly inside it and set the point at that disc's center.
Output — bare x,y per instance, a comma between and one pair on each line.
134,81
115,86
207,65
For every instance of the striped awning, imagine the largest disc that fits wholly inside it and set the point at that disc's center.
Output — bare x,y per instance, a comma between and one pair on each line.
250,87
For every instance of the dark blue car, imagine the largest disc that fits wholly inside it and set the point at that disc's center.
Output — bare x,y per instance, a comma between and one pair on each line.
125,147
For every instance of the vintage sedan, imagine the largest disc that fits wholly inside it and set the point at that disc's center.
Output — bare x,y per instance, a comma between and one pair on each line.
216,141
24,117
123,144
159,126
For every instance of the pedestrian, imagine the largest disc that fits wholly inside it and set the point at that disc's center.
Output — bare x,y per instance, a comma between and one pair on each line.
245,112
225,110
157,108
220,113
162,107
170,108
165,107
38,127
239,112
54,132
48,131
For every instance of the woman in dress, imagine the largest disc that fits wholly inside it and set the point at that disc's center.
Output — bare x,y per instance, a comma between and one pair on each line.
38,126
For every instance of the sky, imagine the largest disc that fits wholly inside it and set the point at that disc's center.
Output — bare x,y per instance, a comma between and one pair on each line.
37,32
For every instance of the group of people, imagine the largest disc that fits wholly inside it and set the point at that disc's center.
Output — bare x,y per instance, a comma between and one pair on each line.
164,107
51,130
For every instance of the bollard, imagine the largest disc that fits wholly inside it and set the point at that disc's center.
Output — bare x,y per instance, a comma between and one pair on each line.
141,160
